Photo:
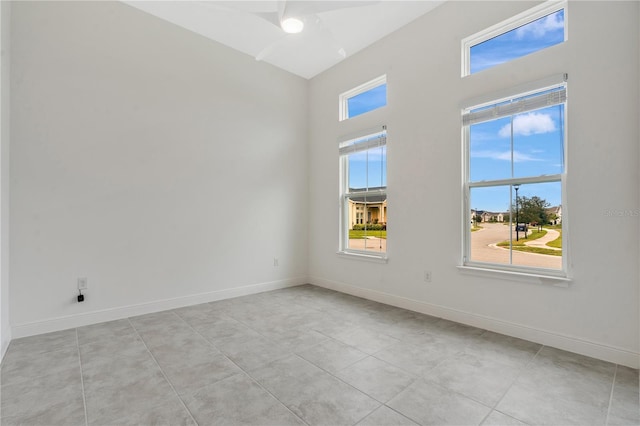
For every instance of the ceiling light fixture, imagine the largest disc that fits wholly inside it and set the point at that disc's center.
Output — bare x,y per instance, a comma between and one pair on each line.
292,25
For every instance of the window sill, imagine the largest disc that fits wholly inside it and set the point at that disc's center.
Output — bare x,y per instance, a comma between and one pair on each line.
364,257
528,277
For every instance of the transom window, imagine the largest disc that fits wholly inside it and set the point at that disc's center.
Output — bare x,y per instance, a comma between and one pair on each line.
363,193
364,98
514,181
529,32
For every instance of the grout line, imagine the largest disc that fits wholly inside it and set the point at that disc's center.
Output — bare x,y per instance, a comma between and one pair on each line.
269,392
162,371
84,398
293,353
513,382
613,386
240,368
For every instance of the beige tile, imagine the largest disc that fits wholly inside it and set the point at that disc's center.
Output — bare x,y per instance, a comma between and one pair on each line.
625,399
55,399
112,330
497,418
428,370
385,416
376,378
313,394
238,400
559,387
429,404
480,379
169,412
48,342
365,339
19,367
332,355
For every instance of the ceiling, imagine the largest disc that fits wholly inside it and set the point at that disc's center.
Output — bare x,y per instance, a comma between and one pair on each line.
333,29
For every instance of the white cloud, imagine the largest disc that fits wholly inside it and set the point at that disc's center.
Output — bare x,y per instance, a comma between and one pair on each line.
529,124
539,28
518,157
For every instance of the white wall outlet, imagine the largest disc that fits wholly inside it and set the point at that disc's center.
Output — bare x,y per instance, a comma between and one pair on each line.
82,283
276,262
427,276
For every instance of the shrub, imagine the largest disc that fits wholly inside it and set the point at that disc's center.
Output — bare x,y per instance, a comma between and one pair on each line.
370,227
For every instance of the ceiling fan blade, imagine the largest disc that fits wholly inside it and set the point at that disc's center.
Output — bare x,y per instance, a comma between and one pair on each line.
272,47
304,7
273,17
281,5
318,26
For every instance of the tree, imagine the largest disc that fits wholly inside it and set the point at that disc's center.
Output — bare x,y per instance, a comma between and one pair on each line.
532,210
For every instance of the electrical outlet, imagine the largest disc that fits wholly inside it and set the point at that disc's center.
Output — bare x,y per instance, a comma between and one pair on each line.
82,283
427,276
276,263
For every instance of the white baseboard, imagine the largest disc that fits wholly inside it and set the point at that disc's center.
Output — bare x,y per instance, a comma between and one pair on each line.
544,337
88,318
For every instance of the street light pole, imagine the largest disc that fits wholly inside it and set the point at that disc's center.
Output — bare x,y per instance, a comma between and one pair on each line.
516,187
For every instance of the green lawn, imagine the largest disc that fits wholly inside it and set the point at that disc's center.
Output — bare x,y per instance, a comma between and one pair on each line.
538,250
520,245
535,234
361,235
475,228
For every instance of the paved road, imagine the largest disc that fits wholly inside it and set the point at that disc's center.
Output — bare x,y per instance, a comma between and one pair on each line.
483,248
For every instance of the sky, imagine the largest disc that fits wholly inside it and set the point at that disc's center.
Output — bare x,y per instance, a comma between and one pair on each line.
537,149
368,101
539,34
538,136
368,169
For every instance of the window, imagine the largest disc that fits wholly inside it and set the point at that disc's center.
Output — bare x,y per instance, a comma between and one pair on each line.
364,98
363,193
514,181
529,32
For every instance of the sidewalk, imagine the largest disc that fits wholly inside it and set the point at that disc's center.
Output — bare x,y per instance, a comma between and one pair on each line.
484,249
551,235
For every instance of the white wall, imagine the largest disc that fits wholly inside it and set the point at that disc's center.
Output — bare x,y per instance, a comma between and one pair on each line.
164,167
597,314
5,327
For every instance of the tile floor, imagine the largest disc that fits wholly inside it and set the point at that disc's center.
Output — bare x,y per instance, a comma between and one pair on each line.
304,355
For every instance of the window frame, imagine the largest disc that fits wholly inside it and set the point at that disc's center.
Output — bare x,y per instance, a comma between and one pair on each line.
343,98
519,20
514,93
343,225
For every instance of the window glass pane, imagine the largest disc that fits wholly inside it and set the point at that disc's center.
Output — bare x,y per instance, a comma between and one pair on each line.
538,241
357,171
536,35
490,150
535,242
489,224
367,223
377,168
367,101
538,138
368,169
